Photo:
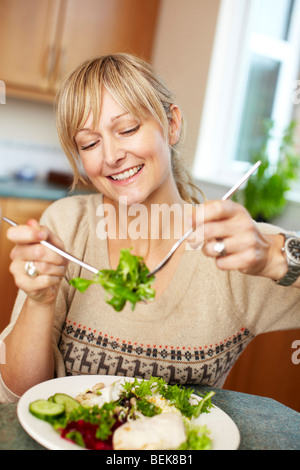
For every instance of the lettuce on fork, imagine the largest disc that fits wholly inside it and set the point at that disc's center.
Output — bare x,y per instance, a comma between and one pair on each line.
129,282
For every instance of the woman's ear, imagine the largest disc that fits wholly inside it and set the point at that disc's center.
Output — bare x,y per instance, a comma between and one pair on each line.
174,125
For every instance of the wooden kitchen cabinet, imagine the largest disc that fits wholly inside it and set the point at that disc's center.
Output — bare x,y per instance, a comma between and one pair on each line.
28,32
19,210
43,40
270,367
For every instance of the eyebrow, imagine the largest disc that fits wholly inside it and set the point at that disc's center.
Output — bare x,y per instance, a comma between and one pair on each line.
112,120
119,116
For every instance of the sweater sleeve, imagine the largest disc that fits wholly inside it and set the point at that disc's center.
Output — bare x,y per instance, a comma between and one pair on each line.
264,305
63,218
6,395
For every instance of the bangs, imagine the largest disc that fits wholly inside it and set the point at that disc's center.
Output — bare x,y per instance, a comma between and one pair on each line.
133,90
131,87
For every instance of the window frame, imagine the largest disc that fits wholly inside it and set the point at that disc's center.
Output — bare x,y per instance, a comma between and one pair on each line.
233,46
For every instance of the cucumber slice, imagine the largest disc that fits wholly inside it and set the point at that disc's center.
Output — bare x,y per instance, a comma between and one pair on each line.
45,409
68,402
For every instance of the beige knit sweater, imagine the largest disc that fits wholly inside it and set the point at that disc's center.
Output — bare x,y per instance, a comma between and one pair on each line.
193,333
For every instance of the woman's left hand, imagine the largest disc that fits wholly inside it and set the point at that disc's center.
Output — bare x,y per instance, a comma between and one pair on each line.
246,248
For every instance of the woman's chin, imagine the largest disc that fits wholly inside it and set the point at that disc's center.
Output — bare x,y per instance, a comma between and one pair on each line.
130,199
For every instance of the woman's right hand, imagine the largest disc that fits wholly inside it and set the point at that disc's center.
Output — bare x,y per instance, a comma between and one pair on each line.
51,266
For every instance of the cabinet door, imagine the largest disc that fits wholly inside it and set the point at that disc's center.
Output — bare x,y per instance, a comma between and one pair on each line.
96,27
270,367
19,210
43,40
27,40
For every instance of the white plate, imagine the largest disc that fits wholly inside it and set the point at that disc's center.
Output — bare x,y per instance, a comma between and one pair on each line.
224,432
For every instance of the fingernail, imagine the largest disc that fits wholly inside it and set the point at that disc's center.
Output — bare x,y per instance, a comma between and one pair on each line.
41,235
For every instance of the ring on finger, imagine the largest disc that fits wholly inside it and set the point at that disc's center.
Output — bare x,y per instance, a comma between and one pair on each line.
31,270
220,248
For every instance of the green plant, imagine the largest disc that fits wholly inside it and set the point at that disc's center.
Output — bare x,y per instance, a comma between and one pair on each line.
264,195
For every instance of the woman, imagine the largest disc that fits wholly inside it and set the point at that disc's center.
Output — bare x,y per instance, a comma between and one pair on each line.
119,122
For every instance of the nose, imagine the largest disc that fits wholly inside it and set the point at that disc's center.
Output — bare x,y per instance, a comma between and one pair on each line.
113,152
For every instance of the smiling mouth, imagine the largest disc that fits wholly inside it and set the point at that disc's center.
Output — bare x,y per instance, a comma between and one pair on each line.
126,174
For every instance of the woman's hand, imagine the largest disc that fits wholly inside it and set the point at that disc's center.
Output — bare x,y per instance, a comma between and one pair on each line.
246,248
51,267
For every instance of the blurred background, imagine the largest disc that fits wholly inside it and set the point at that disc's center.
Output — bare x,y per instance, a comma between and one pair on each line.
234,66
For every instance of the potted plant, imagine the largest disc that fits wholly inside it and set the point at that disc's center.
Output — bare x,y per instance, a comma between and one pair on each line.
264,195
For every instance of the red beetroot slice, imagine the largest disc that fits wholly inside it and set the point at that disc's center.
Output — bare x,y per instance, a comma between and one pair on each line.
88,433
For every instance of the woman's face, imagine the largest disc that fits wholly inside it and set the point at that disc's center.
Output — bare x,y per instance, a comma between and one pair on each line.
123,157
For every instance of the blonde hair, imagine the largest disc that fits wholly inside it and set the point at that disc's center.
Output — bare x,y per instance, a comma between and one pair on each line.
136,87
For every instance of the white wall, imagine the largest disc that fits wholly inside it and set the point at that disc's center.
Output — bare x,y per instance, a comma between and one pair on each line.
182,52
28,138
27,121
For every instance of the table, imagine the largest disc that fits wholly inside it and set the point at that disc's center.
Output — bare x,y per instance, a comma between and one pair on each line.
264,424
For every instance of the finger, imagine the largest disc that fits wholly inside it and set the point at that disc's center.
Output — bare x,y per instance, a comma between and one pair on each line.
50,269
48,275
37,252
219,210
39,283
53,239
209,248
235,244
196,217
44,233
195,240
24,234
244,261
204,220
239,224
44,268
33,232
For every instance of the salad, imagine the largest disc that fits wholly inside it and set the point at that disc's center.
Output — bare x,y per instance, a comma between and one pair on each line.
131,415
129,282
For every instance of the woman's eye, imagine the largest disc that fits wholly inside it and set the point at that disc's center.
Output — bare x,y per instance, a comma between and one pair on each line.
86,147
131,131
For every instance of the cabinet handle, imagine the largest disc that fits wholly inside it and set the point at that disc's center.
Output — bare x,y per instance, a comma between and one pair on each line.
62,62
50,62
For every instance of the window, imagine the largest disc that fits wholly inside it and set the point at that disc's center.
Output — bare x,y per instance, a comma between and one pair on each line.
253,73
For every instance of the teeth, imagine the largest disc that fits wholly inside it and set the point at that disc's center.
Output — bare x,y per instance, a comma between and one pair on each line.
126,174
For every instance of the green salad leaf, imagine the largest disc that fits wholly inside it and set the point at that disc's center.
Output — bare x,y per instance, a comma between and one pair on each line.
129,282
177,395
198,438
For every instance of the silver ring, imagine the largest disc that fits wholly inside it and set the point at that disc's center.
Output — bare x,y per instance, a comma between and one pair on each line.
220,248
31,270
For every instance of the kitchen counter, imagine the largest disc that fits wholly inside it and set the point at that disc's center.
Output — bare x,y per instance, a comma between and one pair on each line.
14,188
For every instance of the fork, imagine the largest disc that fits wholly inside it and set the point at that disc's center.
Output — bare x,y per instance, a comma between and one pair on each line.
64,254
160,265
190,231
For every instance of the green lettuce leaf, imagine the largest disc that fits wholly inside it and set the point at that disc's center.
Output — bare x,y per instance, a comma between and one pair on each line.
129,282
